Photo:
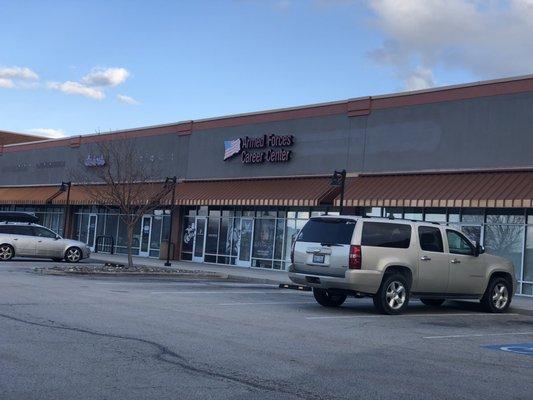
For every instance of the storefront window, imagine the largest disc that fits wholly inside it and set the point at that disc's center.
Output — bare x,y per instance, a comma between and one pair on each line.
263,238
396,212
506,241
415,214
506,216
211,241
473,215
280,234
528,257
372,211
435,215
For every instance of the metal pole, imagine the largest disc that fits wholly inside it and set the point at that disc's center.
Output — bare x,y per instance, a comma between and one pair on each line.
66,208
343,173
174,179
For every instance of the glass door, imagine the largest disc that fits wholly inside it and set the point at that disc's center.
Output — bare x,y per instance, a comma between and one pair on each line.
245,241
199,239
91,230
146,229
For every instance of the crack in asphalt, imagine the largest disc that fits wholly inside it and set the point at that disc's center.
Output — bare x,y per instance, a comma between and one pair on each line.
168,356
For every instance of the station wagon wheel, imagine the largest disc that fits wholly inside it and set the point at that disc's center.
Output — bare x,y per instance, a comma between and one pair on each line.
6,252
497,297
393,294
73,255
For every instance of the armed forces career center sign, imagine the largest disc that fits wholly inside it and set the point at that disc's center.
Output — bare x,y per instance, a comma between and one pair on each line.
261,149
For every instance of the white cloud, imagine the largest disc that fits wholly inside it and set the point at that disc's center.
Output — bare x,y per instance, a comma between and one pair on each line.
420,78
127,100
22,73
488,39
71,87
48,132
106,77
6,83
11,77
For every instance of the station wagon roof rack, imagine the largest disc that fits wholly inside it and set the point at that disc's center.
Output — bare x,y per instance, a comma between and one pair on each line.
18,216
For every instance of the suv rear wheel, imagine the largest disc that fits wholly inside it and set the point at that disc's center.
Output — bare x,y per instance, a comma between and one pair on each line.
432,302
393,295
328,299
497,297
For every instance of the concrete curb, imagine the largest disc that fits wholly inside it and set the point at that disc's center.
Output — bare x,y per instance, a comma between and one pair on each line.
213,275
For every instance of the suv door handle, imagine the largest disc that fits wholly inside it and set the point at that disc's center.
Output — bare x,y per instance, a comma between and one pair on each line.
425,258
455,261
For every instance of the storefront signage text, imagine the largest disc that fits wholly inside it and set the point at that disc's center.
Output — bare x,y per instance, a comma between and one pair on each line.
94,161
257,150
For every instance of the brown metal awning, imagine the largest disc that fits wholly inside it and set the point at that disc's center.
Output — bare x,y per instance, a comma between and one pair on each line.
470,189
78,195
258,192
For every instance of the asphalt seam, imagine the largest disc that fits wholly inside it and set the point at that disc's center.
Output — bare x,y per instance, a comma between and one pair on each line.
182,363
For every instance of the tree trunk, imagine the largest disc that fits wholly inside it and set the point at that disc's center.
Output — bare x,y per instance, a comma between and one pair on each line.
130,243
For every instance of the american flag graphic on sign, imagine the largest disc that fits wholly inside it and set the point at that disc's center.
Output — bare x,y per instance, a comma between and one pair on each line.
231,147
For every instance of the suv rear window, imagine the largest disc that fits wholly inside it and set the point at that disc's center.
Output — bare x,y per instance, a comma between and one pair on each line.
382,234
328,230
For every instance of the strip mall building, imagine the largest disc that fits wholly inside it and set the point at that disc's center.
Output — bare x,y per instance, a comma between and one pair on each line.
459,155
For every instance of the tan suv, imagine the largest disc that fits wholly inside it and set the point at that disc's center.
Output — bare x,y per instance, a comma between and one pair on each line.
393,260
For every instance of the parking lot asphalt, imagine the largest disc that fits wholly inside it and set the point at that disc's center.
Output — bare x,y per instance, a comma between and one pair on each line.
77,337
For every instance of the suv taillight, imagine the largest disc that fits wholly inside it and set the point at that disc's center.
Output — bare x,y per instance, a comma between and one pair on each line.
292,251
354,259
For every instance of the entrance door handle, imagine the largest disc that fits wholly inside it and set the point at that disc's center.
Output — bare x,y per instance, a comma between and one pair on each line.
425,258
455,261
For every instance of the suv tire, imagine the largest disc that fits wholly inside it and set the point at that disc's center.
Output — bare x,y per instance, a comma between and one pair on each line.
328,299
393,295
497,297
73,255
7,252
433,302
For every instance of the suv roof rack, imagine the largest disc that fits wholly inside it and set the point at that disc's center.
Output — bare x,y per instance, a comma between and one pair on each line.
18,216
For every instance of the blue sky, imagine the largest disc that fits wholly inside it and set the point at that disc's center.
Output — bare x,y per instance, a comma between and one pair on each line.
63,64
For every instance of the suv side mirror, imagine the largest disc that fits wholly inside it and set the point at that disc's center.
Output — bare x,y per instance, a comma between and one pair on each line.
57,237
479,250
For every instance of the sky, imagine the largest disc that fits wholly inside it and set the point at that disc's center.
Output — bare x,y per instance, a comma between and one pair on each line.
82,67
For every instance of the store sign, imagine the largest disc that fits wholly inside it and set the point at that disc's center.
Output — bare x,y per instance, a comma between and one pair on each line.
94,161
260,149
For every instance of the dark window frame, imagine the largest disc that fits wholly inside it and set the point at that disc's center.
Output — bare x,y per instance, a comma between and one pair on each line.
462,236
440,240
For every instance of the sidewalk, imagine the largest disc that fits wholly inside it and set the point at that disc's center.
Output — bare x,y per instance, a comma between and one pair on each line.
520,304
251,275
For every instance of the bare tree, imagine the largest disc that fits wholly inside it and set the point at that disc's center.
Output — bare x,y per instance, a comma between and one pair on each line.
115,174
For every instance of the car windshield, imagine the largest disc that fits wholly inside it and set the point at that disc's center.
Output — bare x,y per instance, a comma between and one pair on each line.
328,231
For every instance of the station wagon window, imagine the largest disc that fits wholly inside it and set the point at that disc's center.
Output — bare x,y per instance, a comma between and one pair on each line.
459,244
430,239
328,230
43,232
6,229
381,234
23,230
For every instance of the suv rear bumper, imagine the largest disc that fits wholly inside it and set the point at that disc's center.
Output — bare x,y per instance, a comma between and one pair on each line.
364,281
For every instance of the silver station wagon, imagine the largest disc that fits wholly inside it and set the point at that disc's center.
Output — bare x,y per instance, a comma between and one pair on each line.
393,260
32,240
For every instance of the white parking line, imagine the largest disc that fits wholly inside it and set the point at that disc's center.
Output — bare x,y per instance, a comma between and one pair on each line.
406,315
477,335
266,303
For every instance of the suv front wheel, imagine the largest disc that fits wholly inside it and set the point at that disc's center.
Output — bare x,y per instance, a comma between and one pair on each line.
393,295
328,299
497,297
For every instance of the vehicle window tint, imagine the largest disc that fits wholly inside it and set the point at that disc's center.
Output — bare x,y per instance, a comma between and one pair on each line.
382,234
327,230
23,230
6,229
43,232
430,239
459,244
